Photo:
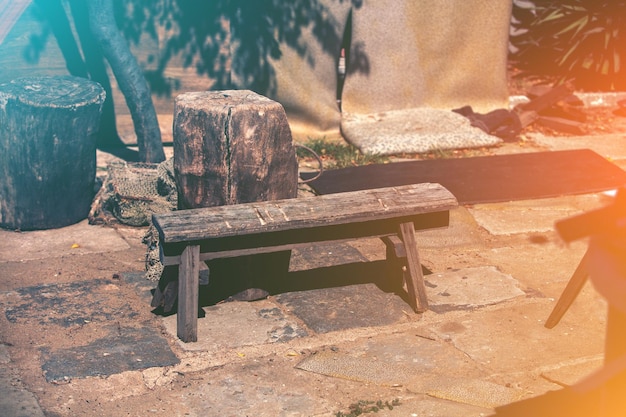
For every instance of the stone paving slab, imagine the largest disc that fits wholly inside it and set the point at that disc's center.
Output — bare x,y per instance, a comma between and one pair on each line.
476,392
15,400
334,309
543,267
469,288
426,406
569,373
341,308
237,324
511,218
432,407
271,386
96,303
80,238
67,304
411,359
512,338
462,231
533,216
330,254
418,364
4,354
484,352
124,349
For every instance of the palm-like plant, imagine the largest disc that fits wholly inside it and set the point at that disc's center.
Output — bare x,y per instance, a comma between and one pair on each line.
580,41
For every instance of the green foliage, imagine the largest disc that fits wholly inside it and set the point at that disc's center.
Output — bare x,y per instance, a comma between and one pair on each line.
338,154
363,407
577,41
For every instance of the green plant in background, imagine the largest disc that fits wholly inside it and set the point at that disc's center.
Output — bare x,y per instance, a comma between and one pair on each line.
577,41
363,407
338,154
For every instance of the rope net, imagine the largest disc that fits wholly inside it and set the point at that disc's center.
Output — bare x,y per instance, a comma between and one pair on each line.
130,194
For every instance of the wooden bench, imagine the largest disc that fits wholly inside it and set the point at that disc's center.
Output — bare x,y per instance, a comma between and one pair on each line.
189,237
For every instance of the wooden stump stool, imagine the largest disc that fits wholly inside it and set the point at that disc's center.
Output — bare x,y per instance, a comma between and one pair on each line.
230,147
47,150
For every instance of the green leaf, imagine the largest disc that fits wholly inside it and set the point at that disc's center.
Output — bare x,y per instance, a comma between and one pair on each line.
578,25
606,65
569,53
555,14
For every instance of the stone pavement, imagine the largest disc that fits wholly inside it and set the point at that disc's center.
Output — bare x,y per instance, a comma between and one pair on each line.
77,336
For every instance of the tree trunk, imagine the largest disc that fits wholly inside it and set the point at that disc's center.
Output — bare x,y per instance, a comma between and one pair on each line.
90,67
47,150
129,77
108,137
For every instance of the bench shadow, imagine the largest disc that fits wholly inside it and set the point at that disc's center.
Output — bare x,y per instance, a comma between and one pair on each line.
336,276
238,279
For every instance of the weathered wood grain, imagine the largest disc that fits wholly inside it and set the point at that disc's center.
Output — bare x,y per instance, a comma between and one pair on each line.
289,214
47,150
186,321
232,146
413,275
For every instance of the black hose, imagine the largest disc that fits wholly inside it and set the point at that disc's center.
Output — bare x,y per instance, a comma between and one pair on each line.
319,161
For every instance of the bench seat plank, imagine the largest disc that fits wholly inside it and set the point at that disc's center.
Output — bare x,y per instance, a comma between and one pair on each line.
281,215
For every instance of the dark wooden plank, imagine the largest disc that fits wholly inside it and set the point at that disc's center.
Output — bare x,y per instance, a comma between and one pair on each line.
242,245
487,179
545,100
562,125
566,111
293,214
274,238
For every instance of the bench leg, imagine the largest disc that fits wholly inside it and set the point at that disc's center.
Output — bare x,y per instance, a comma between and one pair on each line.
413,275
188,292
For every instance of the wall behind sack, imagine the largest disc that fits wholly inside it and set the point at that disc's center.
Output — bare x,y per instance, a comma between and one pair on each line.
400,54
430,53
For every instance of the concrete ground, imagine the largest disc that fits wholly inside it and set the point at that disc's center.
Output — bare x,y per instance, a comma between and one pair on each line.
78,338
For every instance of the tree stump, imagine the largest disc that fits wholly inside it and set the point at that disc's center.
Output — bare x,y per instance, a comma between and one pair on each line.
230,147
48,128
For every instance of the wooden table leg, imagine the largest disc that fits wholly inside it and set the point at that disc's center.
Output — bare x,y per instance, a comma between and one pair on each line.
575,284
188,292
413,275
